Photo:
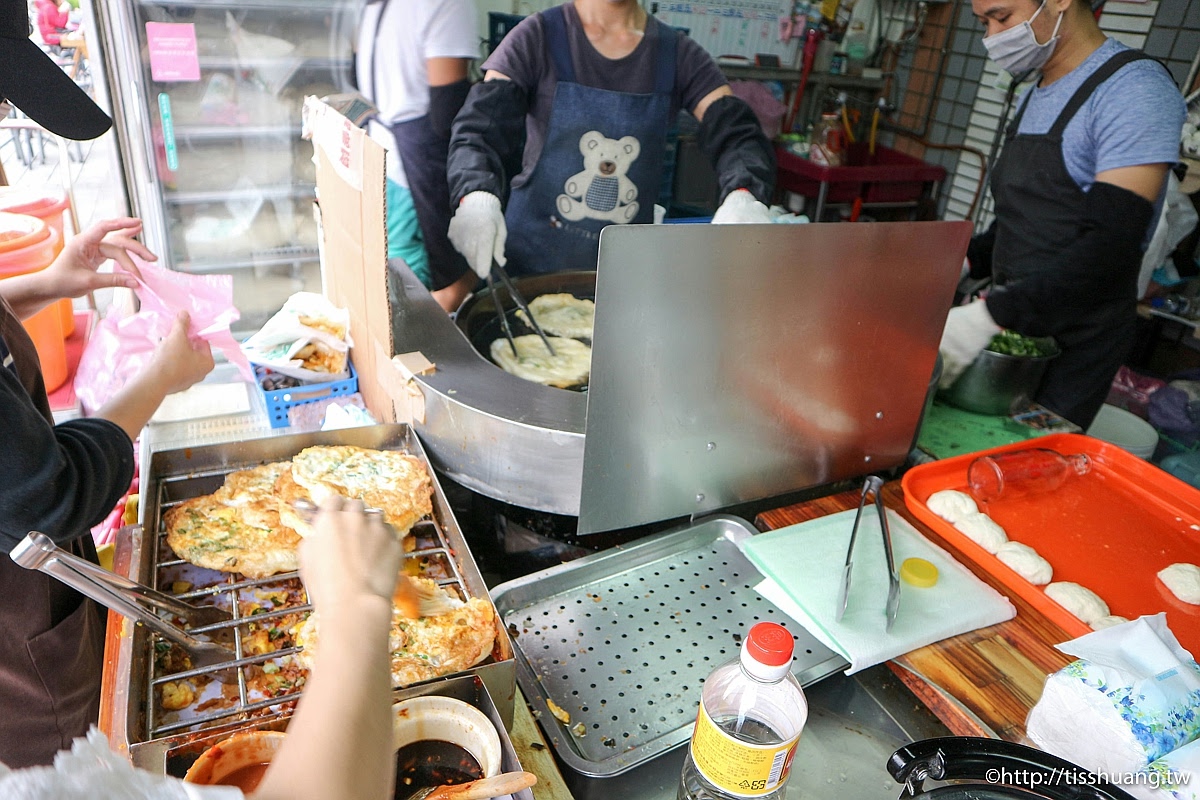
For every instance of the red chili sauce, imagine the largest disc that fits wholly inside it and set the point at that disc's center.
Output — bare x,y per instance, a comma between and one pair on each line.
245,778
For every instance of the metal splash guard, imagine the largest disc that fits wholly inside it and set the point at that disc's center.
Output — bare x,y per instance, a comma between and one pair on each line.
733,363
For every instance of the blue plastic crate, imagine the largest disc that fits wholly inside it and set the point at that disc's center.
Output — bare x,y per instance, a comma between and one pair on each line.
278,401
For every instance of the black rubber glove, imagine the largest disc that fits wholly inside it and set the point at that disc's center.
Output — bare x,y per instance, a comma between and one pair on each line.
487,140
738,148
1099,267
444,104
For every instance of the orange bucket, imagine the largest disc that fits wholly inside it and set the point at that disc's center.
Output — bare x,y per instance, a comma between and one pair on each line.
44,327
49,206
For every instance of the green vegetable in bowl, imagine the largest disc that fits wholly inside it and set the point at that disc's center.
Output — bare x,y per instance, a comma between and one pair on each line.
1011,343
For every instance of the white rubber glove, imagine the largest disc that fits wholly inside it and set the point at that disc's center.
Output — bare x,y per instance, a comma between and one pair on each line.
969,329
740,207
477,230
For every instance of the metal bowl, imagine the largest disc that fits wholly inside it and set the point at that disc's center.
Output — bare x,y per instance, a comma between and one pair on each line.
998,384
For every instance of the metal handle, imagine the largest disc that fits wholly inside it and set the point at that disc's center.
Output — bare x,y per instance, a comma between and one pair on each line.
872,484
893,600
38,551
508,334
152,597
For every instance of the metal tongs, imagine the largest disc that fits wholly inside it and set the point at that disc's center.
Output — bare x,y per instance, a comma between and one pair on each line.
873,484
521,304
126,597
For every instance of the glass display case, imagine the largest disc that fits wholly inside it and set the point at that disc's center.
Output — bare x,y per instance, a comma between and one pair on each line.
207,98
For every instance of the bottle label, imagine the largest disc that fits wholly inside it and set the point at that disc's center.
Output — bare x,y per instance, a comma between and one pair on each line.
738,767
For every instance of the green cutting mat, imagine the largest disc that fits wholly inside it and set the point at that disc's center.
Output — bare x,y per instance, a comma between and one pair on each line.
948,431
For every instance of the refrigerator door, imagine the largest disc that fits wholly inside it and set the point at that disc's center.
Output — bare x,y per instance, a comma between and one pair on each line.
207,96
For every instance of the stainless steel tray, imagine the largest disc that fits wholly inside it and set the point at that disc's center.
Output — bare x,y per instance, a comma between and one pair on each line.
136,718
624,639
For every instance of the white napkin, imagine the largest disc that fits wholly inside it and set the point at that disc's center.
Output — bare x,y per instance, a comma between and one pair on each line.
803,564
1132,698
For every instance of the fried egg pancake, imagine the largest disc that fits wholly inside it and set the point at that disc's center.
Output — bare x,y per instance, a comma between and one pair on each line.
562,314
396,483
250,539
426,647
571,364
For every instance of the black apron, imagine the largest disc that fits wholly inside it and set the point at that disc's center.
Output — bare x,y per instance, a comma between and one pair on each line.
1039,209
51,637
422,152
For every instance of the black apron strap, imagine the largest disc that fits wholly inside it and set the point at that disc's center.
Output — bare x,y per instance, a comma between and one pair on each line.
1015,125
383,4
1106,71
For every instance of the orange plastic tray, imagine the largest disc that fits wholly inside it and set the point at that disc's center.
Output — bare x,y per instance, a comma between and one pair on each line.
1110,530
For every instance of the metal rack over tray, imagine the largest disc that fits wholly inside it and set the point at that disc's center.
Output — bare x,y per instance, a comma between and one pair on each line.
138,663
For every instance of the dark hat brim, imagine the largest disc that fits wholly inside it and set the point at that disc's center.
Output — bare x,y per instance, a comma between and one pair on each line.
31,81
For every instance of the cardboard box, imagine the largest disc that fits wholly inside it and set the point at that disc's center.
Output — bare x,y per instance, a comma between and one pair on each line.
351,187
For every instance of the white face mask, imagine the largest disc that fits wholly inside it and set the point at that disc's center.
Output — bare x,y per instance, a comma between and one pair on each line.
1017,49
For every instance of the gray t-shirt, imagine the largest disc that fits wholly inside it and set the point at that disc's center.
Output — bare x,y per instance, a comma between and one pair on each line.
1133,118
524,57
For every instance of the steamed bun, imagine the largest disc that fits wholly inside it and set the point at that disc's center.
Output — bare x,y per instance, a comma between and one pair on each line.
1026,562
983,530
1080,601
951,505
1183,580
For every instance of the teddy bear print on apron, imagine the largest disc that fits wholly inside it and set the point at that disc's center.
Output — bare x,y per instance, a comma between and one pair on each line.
601,163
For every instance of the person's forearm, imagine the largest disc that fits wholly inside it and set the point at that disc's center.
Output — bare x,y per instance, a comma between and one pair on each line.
339,743
135,403
27,294
741,154
979,252
487,139
1100,265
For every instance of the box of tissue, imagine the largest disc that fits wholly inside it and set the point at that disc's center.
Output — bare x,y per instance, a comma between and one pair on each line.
1132,698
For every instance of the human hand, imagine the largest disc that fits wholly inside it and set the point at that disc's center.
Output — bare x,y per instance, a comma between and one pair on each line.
969,329
741,207
180,361
74,272
349,556
477,230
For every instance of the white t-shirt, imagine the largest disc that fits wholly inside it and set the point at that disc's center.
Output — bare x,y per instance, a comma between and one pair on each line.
396,38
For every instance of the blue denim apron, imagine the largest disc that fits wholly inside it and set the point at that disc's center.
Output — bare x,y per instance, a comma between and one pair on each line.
601,163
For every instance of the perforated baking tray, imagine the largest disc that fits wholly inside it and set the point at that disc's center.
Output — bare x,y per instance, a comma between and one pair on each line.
623,640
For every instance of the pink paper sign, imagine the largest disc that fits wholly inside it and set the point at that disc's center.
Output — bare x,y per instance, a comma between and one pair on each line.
173,53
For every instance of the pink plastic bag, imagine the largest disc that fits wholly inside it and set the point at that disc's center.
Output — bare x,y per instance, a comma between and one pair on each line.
122,345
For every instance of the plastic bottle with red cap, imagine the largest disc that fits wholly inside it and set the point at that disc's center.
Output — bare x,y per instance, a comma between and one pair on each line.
752,711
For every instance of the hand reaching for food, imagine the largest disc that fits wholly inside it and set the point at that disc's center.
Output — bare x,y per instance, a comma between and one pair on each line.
350,557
